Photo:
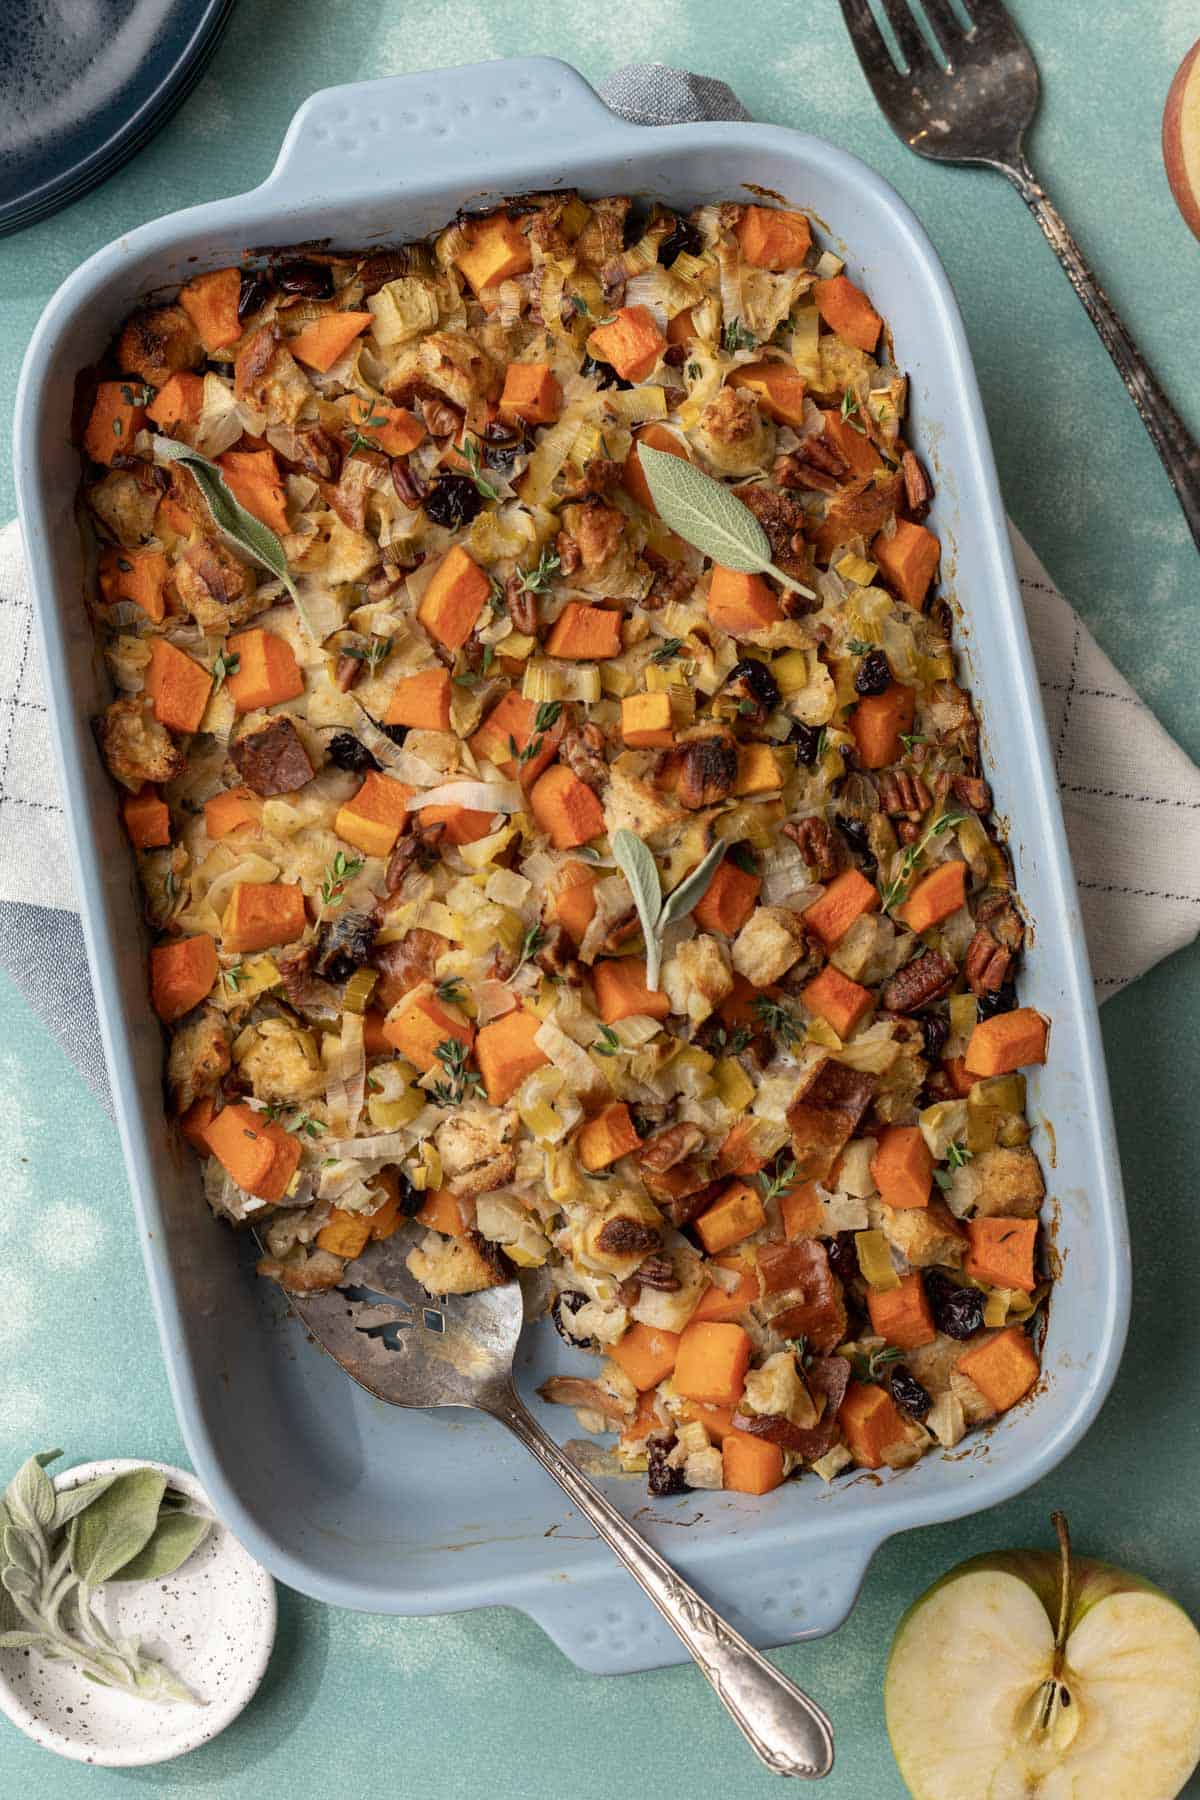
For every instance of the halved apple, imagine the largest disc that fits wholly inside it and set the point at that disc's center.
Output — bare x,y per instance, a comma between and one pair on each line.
1024,1676
1181,137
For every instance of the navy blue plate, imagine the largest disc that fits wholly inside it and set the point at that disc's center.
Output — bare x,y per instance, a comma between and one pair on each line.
84,84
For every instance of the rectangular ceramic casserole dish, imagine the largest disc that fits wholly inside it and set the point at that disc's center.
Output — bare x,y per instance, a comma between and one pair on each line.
390,1511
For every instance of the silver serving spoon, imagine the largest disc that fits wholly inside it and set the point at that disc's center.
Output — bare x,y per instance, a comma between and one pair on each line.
459,1352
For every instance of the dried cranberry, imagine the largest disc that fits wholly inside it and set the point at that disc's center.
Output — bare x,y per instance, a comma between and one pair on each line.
411,1199
1002,1001
661,1478
255,292
843,1256
957,1311
752,680
681,238
603,372
908,1392
935,1029
397,733
452,501
502,444
562,1310
807,739
348,752
874,674
312,279
344,945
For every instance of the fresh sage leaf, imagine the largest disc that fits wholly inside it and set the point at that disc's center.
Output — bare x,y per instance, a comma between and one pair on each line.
692,888
10,1618
19,1551
710,516
115,1526
244,531
18,1582
29,1496
641,872
20,1640
73,1500
174,1538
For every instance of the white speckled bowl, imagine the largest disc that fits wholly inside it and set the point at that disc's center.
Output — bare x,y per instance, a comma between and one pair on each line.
213,1623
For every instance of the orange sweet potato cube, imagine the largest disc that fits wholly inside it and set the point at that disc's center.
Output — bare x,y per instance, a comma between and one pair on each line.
774,238
902,1167
1000,1252
800,1210
847,311
147,819
116,418
621,991
611,1134
728,901
211,303
419,1022
421,701
855,446
717,1304
585,633
230,810
138,576
506,1053
575,901
256,1152
324,340
1006,1042
261,914
454,599
531,392
462,824
749,1464
902,1315
177,685
495,250
182,973
442,1211
394,429
711,1362
847,897
877,722
345,1233
372,818
255,482
1003,1368
513,720
566,809
646,721
740,603
842,1003
777,387
736,1215
177,402
631,342
909,559
646,1354
655,437
935,896
267,672
870,1423
758,770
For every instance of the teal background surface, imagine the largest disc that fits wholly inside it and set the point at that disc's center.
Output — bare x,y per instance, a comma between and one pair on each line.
482,1703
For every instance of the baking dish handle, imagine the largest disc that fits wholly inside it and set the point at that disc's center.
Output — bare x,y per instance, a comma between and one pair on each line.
344,139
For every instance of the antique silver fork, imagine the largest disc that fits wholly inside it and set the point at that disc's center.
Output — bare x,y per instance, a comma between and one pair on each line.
972,103
411,1350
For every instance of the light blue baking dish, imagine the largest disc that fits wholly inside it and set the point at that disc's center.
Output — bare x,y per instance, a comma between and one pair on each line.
339,1495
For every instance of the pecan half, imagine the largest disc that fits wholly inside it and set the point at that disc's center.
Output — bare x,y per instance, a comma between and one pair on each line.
987,964
903,795
972,791
522,605
347,671
657,1272
918,489
625,1237
672,581
818,844
582,750
666,1148
818,465
568,553
924,979
409,487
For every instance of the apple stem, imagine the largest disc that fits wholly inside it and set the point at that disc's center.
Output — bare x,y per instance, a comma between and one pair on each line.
1055,1693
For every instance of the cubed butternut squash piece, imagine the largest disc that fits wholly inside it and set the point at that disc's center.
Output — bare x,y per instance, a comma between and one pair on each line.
736,1154
847,311
718,1305
506,1053
254,480
848,896
729,1220
711,1362
646,1354
373,818
177,402
421,701
462,824
611,1134
631,343
211,303
196,1121
842,1003
138,576
655,437
513,720
454,599
728,901
902,1166
345,1233
739,603
776,386
566,809
902,1314
392,429
261,914
178,686
531,392
116,418
682,328
854,444
758,770
442,1211
575,901
267,672
877,722
935,897
909,560
182,973
1003,1368
147,819
749,1464
800,1211
773,237
1000,1252
1007,1042
419,1022
254,1151
646,721
229,811
870,1423
324,340
585,633
716,1420
621,991
495,249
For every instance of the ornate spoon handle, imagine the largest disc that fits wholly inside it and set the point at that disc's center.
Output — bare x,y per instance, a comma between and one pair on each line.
786,1730
1177,448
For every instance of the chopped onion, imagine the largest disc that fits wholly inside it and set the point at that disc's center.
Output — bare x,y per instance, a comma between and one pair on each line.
475,796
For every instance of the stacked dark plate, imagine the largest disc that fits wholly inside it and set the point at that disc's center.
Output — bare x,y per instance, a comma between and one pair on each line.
84,84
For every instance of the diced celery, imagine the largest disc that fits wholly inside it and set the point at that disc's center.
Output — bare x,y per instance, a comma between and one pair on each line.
359,989
733,1084
857,569
806,326
791,671
829,265
999,1093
